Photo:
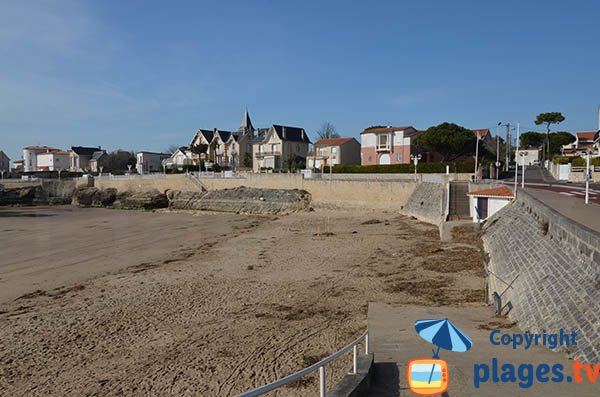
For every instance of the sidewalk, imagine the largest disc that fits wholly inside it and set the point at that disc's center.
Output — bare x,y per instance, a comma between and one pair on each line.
394,342
577,210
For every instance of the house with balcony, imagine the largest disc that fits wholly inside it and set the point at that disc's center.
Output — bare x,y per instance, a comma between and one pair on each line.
334,151
280,147
57,160
387,145
583,141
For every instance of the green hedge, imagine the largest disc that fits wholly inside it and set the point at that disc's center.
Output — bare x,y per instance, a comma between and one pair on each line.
424,168
575,161
561,160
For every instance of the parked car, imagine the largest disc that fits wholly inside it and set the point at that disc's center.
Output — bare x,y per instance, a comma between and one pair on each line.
511,165
535,162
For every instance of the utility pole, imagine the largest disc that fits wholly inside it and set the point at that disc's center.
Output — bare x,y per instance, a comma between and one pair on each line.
517,165
507,147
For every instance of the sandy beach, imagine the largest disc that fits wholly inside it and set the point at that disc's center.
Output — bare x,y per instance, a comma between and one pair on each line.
136,303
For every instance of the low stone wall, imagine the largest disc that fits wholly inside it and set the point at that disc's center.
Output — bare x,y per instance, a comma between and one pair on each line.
427,203
169,182
38,193
557,262
360,194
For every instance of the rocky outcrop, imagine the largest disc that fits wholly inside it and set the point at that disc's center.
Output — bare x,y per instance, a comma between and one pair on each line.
253,200
93,197
148,200
21,196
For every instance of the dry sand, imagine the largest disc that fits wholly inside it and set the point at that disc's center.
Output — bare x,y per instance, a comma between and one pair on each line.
212,306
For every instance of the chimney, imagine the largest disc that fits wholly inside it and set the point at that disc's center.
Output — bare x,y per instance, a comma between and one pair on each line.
283,132
302,133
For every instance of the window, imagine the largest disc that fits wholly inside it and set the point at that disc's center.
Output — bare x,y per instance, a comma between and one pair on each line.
399,156
383,142
334,150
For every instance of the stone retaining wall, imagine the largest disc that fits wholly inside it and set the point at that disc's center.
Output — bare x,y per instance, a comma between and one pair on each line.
557,262
427,203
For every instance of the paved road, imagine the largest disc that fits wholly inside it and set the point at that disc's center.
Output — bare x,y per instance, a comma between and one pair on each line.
538,178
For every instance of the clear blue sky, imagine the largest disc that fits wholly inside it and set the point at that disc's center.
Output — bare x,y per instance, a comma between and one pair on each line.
144,75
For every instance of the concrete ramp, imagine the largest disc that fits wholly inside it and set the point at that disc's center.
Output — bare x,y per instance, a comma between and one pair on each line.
394,342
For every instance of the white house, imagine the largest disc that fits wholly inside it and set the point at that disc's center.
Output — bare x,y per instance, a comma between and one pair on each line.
30,154
180,157
485,203
57,160
148,162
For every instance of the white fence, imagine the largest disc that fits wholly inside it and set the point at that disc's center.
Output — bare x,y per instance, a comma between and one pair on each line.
317,366
111,177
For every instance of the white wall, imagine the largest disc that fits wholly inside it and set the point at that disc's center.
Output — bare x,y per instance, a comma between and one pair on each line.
494,205
54,161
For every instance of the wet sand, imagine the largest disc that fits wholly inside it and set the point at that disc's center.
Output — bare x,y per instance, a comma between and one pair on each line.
210,305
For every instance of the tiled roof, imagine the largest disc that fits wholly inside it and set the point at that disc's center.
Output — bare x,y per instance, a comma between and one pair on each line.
293,134
501,191
333,141
387,129
85,151
48,148
62,152
588,136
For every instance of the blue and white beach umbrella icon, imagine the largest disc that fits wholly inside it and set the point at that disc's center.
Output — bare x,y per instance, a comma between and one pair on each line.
443,334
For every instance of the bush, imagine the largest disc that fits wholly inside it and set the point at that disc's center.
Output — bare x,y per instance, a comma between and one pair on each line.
595,161
578,162
561,160
422,168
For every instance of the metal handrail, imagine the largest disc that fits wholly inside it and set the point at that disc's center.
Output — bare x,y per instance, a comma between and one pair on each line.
320,366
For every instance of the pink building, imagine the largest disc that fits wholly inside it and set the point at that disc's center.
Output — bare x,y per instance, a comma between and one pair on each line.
387,145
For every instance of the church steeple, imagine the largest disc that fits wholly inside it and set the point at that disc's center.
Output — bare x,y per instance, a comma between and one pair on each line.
247,126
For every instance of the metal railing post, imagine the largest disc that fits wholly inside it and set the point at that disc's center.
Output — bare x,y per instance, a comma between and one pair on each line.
367,343
322,381
354,359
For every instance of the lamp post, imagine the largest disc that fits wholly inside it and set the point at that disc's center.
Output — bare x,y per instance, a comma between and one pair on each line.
233,155
2,172
517,165
523,154
129,170
415,159
587,175
476,156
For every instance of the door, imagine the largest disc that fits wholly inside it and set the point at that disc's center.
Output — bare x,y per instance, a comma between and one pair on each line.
482,207
384,159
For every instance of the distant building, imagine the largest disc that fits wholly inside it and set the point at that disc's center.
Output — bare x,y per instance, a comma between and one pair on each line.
532,154
81,156
485,203
148,162
226,148
4,162
280,147
30,156
387,145
180,157
95,161
334,151
17,165
57,160
583,141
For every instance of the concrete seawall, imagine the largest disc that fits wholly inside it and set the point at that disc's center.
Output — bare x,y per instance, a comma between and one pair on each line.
378,194
557,262
427,203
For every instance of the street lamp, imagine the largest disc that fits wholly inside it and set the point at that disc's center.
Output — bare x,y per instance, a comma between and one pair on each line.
2,172
101,168
587,175
233,155
415,159
476,155
523,153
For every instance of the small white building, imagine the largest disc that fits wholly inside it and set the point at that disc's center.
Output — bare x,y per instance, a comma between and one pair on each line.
58,160
485,203
148,162
180,157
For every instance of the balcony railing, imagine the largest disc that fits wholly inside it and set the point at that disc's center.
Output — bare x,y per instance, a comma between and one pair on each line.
268,153
384,148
